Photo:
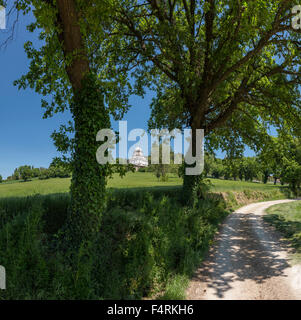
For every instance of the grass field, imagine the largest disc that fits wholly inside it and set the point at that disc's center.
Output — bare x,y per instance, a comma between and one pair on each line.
131,180
287,219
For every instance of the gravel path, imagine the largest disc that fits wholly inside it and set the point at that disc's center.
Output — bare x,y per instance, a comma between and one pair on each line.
248,261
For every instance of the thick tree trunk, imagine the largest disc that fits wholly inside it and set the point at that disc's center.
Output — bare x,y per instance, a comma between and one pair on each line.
89,114
191,183
72,43
89,178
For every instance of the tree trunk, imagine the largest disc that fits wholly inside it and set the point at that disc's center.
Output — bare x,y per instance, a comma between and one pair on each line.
89,178
191,183
89,115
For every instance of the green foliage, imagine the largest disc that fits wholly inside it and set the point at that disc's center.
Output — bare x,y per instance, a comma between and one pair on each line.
1,179
146,240
282,158
292,175
214,65
54,172
89,179
25,172
217,169
24,255
149,243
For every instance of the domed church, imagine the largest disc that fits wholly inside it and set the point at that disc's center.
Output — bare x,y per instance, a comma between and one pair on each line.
138,160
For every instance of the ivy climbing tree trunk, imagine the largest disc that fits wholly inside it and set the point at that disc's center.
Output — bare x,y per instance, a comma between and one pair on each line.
89,115
192,183
89,178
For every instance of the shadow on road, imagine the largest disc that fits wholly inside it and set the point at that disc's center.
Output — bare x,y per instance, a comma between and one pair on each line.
247,248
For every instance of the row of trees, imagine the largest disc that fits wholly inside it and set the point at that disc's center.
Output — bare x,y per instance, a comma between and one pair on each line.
27,172
280,160
245,168
282,157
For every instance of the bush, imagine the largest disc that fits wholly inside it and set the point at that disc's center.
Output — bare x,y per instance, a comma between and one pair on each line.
55,208
23,254
150,242
146,239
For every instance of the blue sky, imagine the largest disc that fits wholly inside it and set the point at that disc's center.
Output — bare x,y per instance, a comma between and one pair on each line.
24,135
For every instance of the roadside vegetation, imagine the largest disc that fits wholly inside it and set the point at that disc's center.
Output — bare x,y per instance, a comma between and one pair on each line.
287,219
148,246
148,241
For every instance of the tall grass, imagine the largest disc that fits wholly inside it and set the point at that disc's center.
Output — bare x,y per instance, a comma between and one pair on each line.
147,241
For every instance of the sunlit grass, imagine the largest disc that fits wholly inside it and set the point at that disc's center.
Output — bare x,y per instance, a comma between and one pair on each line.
131,180
286,218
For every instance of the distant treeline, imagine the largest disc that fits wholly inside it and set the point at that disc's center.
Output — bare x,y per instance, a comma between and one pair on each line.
280,162
245,168
28,172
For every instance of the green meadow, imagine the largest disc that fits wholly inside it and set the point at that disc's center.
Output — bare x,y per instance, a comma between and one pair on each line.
131,180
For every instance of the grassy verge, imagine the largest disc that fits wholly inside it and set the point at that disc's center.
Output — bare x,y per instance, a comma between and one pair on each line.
235,200
287,219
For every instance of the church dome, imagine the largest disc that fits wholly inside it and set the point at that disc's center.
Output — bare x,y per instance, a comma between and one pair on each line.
138,159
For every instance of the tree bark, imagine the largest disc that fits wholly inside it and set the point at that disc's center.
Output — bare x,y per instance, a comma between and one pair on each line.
72,43
191,183
89,115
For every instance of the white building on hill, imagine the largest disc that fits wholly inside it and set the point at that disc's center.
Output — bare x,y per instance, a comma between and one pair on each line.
138,160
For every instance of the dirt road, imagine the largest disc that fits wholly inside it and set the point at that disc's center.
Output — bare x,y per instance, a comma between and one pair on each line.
248,261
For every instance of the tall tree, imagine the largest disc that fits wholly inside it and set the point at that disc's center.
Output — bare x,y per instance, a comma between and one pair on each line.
228,67
64,67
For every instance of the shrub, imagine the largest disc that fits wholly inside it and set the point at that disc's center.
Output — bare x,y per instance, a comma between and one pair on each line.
23,255
146,239
147,244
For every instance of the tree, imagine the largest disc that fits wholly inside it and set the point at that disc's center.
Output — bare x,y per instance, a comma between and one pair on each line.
65,67
291,172
1,179
251,168
35,172
25,172
292,175
16,174
266,174
228,67
161,170
217,170
273,155
208,163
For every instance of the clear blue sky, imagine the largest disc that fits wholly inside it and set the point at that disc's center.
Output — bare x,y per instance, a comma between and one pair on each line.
24,135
